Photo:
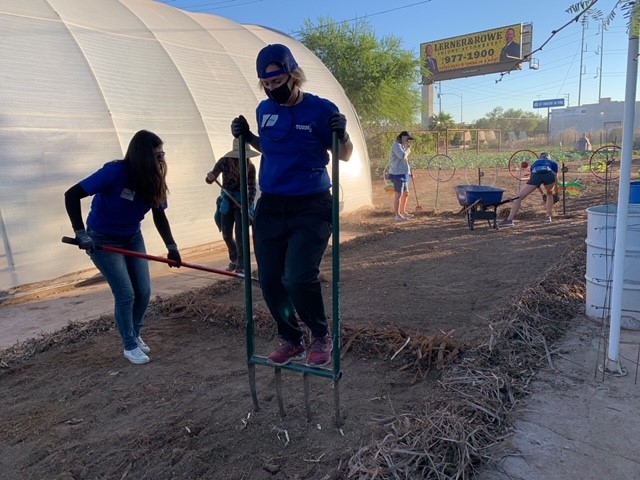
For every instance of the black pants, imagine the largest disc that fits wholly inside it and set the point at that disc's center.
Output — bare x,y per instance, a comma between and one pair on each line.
231,226
290,237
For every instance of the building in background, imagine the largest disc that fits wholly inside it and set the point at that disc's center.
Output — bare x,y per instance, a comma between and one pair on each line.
602,121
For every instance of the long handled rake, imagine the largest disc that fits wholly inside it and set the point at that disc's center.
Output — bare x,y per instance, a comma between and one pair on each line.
415,192
154,258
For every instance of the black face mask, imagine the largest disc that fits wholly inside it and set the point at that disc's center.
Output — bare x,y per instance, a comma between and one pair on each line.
280,94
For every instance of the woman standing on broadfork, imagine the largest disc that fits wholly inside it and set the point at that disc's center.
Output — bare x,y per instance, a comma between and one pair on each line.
292,222
123,192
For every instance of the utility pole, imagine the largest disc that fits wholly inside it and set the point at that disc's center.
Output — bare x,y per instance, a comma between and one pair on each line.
584,27
601,57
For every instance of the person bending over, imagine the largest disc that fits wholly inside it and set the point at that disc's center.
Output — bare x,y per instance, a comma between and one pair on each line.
544,171
123,192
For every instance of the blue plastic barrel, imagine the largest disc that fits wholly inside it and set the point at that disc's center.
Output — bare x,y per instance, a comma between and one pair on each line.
634,192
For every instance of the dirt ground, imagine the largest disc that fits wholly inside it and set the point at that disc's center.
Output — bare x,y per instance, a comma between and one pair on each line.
416,299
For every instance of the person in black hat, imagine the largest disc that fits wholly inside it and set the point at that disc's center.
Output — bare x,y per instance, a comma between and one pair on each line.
228,205
544,171
292,222
400,175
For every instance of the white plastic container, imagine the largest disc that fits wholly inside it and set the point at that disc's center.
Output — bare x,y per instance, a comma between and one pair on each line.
601,229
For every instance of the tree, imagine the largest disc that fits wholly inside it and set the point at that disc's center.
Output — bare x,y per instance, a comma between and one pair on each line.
442,122
378,76
512,120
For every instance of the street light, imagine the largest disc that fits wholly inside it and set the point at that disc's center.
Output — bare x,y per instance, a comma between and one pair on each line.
459,95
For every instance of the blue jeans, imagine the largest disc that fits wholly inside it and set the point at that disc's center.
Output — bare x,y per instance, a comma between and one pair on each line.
129,280
290,237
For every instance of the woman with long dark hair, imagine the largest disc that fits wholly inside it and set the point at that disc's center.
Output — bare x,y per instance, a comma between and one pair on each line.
123,192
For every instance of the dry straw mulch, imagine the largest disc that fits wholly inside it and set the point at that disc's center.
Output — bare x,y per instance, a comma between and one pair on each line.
450,438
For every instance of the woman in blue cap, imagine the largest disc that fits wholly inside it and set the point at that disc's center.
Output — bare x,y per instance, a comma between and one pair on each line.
544,171
292,222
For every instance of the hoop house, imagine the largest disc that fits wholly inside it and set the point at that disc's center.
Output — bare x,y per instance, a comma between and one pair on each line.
80,78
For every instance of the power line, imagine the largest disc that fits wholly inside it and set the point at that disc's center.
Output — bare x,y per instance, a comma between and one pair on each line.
553,34
221,2
368,15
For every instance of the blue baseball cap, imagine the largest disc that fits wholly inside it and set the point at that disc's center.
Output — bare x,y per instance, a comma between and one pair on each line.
275,53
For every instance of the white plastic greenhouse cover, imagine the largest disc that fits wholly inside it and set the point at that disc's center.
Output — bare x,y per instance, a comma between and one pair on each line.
79,77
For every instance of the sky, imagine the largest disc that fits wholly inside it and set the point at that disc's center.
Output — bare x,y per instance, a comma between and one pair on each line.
468,99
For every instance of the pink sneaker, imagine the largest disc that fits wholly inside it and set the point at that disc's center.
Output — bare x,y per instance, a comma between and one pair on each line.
320,351
286,352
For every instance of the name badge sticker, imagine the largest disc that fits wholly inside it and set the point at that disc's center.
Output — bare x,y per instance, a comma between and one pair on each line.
127,194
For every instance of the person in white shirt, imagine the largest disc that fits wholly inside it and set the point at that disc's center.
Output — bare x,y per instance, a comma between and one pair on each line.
400,175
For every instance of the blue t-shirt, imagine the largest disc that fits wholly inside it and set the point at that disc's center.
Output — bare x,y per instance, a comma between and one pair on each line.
544,165
115,207
295,142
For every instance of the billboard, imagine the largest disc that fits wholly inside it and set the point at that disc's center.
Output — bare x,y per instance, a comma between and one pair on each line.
489,51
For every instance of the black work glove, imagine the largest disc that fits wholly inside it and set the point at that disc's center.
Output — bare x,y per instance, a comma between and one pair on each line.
210,178
338,124
174,254
240,126
85,242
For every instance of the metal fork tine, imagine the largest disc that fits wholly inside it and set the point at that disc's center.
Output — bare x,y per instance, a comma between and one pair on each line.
336,400
278,372
307,404
252,386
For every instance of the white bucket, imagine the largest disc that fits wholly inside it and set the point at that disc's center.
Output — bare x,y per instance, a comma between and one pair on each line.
601,227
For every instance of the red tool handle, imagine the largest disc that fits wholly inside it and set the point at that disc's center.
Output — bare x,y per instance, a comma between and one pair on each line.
130,253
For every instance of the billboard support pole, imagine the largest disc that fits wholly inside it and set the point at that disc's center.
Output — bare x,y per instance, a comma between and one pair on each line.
548,127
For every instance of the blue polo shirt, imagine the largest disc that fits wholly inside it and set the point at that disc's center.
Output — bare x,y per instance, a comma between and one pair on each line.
295,143
115,208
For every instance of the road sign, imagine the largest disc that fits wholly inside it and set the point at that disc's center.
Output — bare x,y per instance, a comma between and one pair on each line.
554,102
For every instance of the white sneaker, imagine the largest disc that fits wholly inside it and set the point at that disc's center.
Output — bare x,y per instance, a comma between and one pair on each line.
142,346
400,218
548,220
136,356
